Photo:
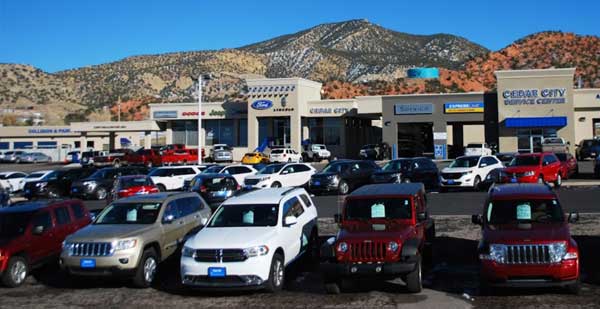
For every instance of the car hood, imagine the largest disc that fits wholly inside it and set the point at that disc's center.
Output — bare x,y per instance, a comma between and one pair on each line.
525,233
369,231
520,169
457,169
95,232
232,237
324,174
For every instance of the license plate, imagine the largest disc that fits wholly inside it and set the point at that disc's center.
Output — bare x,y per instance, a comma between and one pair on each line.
317,183
75,190
513,180
87,263
217,272
450,182
27,191
248,187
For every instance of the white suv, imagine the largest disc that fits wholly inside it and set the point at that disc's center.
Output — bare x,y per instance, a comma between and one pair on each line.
169,178
468,171
250,240
284,155
239,172
280,175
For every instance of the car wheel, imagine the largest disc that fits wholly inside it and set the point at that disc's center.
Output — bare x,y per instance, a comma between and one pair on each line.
343,187
276,185
16,272
558,181
161,187
146,270
476,183
276,274
101,194
414,279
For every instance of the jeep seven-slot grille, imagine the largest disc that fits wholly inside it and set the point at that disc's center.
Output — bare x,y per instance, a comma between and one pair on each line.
92,249
367,251
527,254
220,255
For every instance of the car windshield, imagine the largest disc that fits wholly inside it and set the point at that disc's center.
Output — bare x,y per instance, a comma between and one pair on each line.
3,176
524,211
53,175
129,213
135,182
213,170
396,165
525,161
465,162
379,208
13,224
35,175
244,215
335,168
277,151
271,169
561,156
553,141
474,145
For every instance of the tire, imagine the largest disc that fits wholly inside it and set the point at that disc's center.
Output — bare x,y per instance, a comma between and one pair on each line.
558,181
574,288
477,183
276,274
16,272
343,187
101,193
414,279
332,288
276,185
146,270
161,187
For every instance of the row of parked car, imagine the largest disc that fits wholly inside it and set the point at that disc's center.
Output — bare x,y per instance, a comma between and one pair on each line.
19,156
248,241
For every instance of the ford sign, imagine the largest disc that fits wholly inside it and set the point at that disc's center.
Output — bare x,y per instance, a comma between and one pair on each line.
262,104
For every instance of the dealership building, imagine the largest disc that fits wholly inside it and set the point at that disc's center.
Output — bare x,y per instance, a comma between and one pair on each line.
528,106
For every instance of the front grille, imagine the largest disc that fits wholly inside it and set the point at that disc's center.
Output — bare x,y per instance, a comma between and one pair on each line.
220,255
527,254
367,251
221,280
251,182
451,175
91,249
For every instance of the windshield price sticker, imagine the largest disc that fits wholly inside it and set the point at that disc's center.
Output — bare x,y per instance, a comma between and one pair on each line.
248,217
523,212
378,211
132,215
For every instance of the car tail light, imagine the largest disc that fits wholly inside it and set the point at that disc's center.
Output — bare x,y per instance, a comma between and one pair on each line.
238,187
202,188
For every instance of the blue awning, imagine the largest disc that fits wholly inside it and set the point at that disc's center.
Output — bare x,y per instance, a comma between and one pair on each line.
535,122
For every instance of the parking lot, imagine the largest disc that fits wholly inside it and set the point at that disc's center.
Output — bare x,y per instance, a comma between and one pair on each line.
452,282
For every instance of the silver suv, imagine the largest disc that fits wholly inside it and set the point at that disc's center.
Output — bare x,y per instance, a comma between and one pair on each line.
133,235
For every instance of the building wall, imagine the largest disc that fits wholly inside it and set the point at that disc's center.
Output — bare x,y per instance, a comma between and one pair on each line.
587,113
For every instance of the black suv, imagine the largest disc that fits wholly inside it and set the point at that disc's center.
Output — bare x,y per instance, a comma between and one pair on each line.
214,188
342,176
588,148
56,184
98,184
406,170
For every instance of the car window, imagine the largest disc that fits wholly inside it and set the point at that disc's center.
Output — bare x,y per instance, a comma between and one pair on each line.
306,200
62,215
77,211
43,219
301,168
292,207
16,175
186,206
289,170
549,159
172,209
378,208
184,171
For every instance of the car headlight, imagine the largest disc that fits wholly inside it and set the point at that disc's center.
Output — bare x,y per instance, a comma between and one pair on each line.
256,251
90,184
342,247
557,252
529,173
188,252
68,247
124,244
467,173
498,253
41,184
393,246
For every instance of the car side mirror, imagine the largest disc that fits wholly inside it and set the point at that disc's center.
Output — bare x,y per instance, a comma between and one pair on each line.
337,218
476,219
203,221
290,220
38,230
573,217
168,219
284,172
483,165
421,216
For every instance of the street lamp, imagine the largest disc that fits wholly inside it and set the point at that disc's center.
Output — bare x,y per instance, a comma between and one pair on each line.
201,78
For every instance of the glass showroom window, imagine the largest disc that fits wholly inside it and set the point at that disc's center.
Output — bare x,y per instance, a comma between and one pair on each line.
185,132
219,132
325,130
243,133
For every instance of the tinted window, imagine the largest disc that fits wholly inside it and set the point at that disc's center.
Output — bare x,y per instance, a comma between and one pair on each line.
184,171
188,205
129,213
77,211
301,168
516,211
213,169
270,169
562,157
245,215
550,159
465,162
161,172
14,224
62,215
43,219
306,200
292,208
525,161
474,145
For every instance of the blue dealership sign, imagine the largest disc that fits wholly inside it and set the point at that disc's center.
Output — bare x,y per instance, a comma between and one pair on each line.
262,104
439,151
164,114
413,108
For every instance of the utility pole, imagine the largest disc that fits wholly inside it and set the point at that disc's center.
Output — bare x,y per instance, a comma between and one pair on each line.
119,105
200,119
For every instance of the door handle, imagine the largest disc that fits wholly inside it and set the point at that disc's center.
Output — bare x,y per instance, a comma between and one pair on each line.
180,222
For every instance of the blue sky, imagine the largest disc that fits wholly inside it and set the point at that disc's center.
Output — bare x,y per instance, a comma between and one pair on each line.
61,34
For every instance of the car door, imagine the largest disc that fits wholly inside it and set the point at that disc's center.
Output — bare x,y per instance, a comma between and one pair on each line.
46,243
63,227
240,172
172,225
365,171
292,235
303,173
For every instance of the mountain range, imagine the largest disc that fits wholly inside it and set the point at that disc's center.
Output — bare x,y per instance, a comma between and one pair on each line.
351,58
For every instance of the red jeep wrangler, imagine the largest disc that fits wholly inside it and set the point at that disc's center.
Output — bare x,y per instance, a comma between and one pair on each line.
526,240
31,234
385,232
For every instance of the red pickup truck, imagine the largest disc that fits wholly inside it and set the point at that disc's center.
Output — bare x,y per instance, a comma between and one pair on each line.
115,157
385,232
178,154
146,157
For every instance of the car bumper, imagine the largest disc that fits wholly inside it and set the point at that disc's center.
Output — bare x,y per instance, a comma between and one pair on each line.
252,273
117,265
322,188
102,164
464,181
332,270
564,273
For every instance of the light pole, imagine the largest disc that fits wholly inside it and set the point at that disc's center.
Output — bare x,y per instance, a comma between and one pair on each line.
201,78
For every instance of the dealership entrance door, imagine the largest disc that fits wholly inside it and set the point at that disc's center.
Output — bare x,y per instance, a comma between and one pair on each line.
276,130
415,139
530,140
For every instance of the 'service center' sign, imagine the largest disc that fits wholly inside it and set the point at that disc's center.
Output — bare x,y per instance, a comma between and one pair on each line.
534,96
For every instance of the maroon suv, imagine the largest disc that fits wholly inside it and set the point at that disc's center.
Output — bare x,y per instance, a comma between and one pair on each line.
526,240
385,232
32,233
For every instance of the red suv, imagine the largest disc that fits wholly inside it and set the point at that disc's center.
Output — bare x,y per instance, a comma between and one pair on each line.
534,168
131,185
385,232
31,234
526,240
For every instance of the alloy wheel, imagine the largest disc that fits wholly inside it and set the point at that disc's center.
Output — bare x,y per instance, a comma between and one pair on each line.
278,273
18,272
149,269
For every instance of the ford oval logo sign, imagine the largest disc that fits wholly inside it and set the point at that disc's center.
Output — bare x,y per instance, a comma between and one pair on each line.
262,104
